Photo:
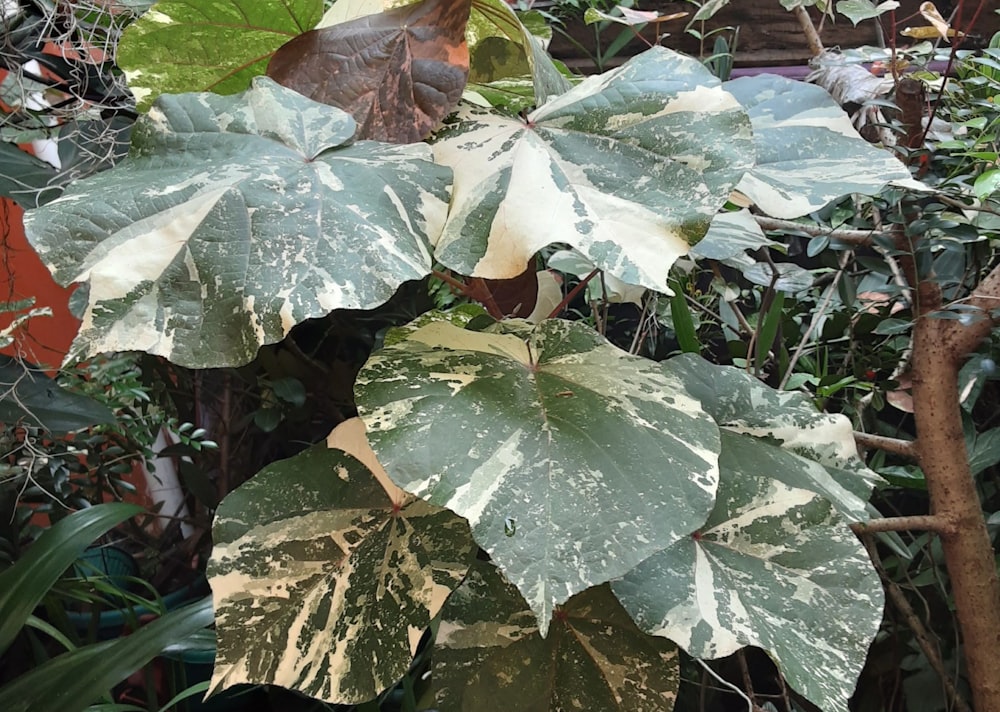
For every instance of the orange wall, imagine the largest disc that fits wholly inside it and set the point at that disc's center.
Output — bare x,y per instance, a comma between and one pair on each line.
42,340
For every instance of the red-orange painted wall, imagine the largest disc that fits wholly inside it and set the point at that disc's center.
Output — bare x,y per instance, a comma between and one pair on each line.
42,340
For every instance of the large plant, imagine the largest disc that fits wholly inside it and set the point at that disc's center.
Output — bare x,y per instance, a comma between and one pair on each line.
626,506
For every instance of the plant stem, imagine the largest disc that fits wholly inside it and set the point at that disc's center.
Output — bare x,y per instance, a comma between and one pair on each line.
572,293
861,238
809,30
916,626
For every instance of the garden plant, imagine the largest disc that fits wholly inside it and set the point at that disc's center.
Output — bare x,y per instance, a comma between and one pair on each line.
562,515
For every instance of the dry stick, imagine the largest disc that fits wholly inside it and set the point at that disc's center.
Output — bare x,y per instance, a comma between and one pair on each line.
920,632
809,30
820,311
896,446
859,238
914,522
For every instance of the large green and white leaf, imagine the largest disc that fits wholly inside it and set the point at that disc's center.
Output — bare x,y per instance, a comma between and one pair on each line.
743,404
776,567
489,655
314,558
808,153
608,288
183,46
628,167
235,218
572,460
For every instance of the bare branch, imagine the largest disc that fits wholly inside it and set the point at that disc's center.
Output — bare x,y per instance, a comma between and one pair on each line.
896,446
916,522
851,237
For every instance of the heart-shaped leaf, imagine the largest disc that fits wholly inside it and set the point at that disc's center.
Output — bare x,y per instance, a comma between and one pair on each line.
489,655
614,167
571,460
235,218
314,557
808,153
774,566
182,46
398,72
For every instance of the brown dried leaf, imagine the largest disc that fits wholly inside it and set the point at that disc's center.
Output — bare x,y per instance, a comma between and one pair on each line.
398,72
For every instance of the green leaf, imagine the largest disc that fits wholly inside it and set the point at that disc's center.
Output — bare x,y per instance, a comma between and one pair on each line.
987,183
84,674
859,10
24,584
185,46
624,176
768,329
489,655
742,404
776,567
985,451
593,458
808,153
684,329
31,397
235,218
314,557
494,30
791,278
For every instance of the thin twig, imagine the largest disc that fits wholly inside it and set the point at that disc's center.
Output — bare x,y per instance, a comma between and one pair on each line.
859,238
920,633
726,683
572,294
817,315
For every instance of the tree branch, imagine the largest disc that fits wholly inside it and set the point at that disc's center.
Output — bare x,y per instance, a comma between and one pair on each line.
916,522
859,238
896,446
963,339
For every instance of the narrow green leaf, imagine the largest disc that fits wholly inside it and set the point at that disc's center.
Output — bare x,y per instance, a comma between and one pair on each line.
768,330
24,584
86,673
680,314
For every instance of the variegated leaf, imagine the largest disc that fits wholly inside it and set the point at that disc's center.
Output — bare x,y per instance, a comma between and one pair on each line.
495,32
729,236
332,581
183,45
629,167
776,567
571,460
808,153
741,403
235,218
488,654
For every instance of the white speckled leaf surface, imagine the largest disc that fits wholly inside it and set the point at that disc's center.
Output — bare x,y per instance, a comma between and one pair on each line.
323,584
628,167
571,460
824,442
808,153
235,218
776,567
